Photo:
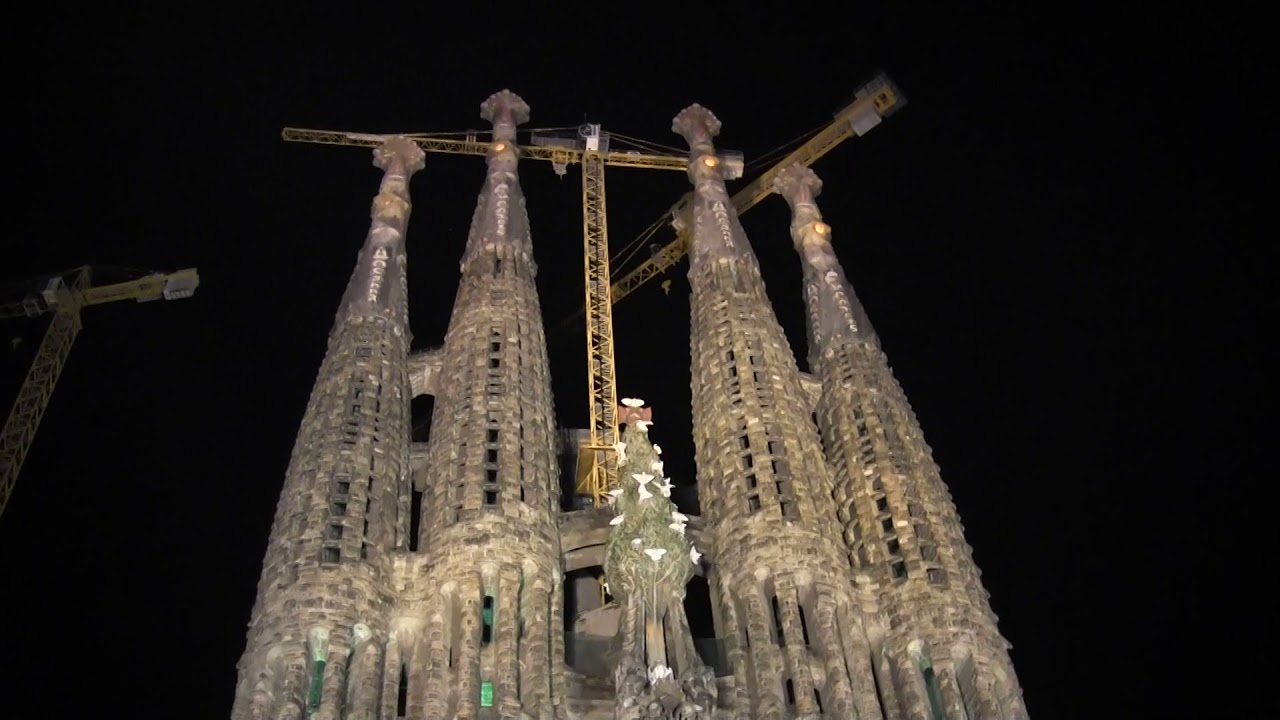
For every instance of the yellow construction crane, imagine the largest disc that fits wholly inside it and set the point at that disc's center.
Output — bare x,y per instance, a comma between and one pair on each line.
590,147
597,466
872,103
65,295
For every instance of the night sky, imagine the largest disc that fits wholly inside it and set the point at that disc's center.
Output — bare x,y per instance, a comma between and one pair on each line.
1009,232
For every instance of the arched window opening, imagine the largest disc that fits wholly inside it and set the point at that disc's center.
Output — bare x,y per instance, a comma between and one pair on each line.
778,634
402,695
790,688
486,615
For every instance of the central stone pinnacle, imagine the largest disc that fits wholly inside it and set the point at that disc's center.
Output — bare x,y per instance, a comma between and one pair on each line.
505,110
798,184
696,124
399,148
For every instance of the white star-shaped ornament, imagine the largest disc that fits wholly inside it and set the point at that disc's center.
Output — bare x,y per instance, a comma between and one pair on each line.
665,488
633,402
694,554
657,449
656,466
643,425
642,478
617,520
644,492
679,516
655,553
621,449
678,527
635,541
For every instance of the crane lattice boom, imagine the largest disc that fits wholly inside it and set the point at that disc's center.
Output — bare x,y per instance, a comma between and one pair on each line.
65,300
875,101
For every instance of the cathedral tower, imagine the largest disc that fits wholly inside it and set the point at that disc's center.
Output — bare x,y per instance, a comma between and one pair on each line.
940,655
493,634
782,578
338,518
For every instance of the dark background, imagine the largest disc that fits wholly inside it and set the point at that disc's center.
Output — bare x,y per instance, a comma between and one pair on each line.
1018,234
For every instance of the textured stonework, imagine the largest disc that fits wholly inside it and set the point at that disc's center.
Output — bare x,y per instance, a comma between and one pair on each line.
491,480
428,580
935,639
339,516
785,597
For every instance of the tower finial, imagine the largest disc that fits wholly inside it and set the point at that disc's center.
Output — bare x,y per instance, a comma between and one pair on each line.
696,124
505,110
399,149
797,183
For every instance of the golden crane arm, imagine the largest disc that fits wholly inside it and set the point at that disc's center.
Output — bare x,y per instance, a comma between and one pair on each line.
65,300
474,146
877,100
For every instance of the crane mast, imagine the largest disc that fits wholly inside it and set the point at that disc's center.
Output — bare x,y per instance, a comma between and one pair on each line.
65,300
601,389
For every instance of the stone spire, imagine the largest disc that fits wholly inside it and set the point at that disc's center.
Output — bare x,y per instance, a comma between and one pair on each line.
500,226
491,611
835,314
648,562
781,574
338,519
939,654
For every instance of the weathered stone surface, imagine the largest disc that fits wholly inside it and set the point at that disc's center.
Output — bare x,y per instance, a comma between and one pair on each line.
841,584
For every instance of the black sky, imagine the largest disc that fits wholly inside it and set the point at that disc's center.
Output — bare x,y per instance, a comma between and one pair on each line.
1013,233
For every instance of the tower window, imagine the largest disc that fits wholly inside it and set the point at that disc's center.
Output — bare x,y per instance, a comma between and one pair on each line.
486,616
936,576
486,693
899,570
929,552
894,546
490,497
335,532
415,518
777,621
791,692
882,504
402,696
753,503
332,555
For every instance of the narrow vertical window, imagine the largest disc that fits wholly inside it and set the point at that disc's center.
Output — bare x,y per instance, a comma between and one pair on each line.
415,518
402,695
777,621
486,615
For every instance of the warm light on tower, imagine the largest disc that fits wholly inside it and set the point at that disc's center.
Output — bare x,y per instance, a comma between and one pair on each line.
710,160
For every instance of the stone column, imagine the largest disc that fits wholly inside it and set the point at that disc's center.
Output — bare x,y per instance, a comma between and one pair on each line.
766,659
506,642
391,665
839,694
535,675
467,667
796,652
438,638
364,678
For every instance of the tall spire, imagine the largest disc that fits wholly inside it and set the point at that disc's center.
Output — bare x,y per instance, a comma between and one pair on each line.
940,654
764,488
500,226
835,314
491,611
339,517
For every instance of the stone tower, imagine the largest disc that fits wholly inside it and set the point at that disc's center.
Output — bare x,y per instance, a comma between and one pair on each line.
938,652
339,517
426,581
781,580
492,630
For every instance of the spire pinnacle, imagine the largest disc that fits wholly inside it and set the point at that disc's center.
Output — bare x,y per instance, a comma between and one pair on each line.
697,125
799,185
402,150
505,110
